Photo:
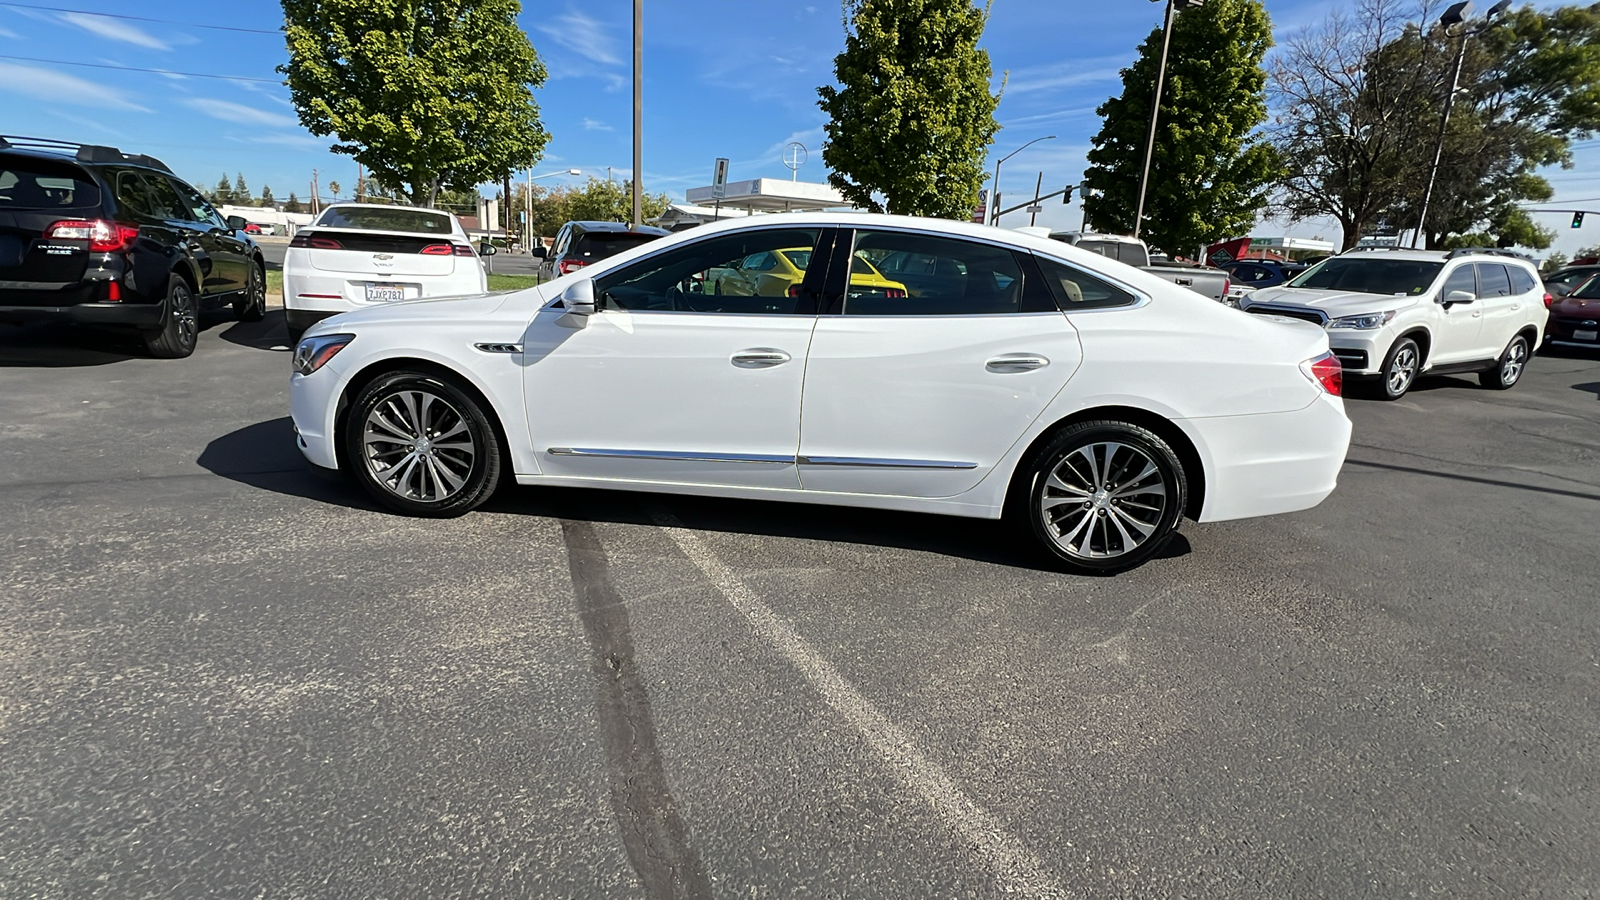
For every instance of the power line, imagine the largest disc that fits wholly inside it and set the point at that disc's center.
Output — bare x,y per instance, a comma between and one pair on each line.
62,62
105,15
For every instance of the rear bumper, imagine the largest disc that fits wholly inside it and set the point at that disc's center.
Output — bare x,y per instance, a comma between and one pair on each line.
138,315
302,319
1267,464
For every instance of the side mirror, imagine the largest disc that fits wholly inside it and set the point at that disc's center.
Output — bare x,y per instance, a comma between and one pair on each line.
486,249
237,223
578,298
538,251
1455,297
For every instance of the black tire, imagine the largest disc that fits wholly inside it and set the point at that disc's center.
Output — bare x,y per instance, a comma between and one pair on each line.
251,306
410,468
180,323
1070,498
1400,368
1509,367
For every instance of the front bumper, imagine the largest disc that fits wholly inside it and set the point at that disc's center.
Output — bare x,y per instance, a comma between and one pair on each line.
1568,331
1360,352
138,315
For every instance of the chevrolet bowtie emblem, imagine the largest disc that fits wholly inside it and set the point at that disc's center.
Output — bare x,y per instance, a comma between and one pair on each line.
382,256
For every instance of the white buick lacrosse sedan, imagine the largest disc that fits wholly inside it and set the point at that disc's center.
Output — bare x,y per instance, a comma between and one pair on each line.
858,360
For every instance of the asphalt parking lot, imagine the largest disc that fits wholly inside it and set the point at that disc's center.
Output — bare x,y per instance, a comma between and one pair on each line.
220,676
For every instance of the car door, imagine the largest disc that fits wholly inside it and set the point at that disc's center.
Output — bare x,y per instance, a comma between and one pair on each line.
666,383
922,395
1455,327
1506,309
224,257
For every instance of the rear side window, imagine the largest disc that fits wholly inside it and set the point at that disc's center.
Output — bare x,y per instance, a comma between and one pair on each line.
1522,281
42,184
419,221
929,275
1076,290
1493,280
592,246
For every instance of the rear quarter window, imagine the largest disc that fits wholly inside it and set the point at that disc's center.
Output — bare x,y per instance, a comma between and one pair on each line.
29,184
1522,280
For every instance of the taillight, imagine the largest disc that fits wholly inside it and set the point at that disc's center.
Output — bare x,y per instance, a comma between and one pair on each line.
570,265
894,294
436,250
794,290
1548,300
1327,371
103,236
1227,285
462,250
310,239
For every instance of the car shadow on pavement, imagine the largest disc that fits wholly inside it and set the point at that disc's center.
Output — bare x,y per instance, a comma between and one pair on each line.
270,333
1592,387
264,456
66,346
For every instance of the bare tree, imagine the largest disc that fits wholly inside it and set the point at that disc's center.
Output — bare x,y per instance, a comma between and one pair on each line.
1349,120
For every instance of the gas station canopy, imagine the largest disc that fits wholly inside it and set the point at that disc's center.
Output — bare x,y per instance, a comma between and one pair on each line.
771,195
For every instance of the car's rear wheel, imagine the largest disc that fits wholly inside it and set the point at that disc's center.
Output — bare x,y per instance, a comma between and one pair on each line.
1508,370
1400,369
251,306
180,323
1103,496
422,445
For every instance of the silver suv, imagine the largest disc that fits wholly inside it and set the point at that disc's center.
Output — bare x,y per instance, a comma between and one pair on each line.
1392,315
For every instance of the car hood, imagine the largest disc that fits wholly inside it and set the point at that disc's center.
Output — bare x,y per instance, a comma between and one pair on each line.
1575,308
454,309
1334,303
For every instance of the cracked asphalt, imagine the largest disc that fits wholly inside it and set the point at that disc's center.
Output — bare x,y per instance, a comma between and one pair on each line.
223,677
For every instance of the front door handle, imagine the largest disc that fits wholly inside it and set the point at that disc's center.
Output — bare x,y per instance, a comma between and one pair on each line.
759,358
1016,362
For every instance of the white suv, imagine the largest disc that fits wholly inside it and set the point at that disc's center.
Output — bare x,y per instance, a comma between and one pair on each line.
1397,314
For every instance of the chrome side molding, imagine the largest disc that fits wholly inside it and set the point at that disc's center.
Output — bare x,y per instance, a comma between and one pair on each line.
672,455
868,462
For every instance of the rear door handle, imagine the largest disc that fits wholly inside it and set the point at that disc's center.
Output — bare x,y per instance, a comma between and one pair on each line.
1016,362
759,358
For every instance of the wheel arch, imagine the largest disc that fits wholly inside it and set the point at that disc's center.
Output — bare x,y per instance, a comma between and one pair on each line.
1424,339
190,273
1169,431
381,367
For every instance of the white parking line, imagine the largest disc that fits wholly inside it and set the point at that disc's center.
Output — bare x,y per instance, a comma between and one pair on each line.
1017,870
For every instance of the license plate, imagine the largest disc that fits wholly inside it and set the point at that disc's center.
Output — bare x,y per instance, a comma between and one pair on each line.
1586,335
385,292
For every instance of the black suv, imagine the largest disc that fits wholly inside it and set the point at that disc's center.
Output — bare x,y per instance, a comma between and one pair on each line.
578,244
92,235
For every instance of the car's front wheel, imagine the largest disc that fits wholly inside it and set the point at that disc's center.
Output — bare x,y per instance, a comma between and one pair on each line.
422,445
1400,369
1509,368
1103,496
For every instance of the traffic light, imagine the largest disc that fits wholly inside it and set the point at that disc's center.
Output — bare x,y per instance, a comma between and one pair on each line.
1577,220
1066,196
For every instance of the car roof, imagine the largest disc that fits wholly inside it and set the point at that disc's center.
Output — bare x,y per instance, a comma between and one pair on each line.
617,226
1439,256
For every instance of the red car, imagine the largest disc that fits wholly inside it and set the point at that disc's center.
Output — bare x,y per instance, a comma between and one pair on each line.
252,228
1575,318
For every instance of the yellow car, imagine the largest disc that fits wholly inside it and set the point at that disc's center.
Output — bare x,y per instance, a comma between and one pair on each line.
778,273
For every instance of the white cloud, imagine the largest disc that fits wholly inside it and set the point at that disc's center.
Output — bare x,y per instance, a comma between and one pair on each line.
1066,74
294,141
241,114
596,125
57,87
583,36
8,33
115,30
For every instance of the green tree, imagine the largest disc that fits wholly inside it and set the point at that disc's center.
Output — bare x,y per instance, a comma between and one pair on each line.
266,195
241,193
334,189
425,93
224,192
1209,173
293,204
1553,262
912,117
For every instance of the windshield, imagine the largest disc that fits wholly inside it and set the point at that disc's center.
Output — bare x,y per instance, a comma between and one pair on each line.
1589,290
418,221
1367,275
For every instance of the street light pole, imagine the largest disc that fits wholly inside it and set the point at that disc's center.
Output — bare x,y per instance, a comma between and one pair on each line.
994,195
1155,110
638,110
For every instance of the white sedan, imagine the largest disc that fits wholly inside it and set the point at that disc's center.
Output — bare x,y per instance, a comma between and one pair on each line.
356,255
1002,375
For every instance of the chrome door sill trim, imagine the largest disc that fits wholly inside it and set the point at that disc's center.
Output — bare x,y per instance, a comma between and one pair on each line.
672,455
883,463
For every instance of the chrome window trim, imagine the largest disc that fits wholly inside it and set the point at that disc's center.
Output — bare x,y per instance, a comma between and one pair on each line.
869,462
671,455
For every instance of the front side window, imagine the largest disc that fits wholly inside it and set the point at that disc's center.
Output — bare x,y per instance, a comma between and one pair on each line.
1368,274
705,276
198,210
1077,290
895,273
1460,279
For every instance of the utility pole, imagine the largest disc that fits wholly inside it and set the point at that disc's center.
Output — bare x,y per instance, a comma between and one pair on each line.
638,110
1155,110
316,202
1033,211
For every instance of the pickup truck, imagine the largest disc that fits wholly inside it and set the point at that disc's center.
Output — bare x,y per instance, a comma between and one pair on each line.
1207,281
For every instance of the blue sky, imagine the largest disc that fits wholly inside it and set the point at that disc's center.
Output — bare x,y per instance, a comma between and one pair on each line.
734,78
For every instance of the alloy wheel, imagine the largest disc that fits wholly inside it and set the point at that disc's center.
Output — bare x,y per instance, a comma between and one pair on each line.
1402,370
418,446
1103,500
186,323
1516,359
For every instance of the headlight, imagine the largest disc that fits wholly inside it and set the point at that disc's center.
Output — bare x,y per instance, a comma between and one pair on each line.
314,352
1365,321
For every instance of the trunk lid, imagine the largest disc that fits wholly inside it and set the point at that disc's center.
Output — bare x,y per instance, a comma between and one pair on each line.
378,253
35,194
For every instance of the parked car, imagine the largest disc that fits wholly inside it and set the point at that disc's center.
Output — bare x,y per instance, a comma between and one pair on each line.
1397,314
1565,280
779,273
252,228
1207,281
358,254
1575,317
1254,274
579,244
1091,403
91,235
